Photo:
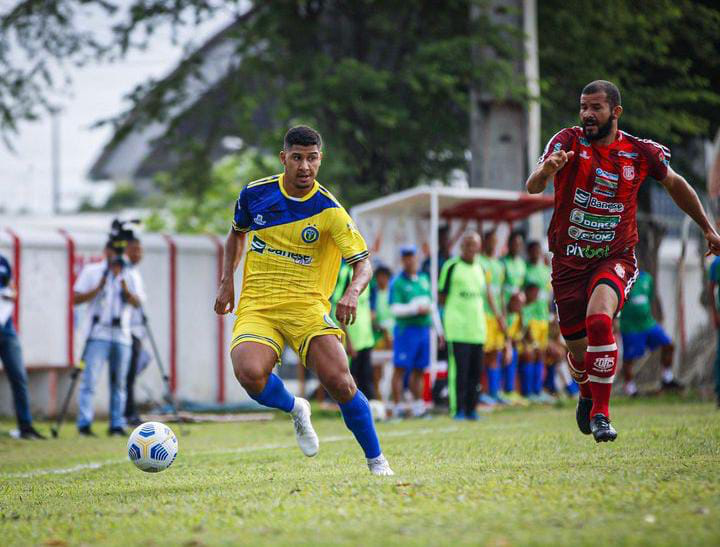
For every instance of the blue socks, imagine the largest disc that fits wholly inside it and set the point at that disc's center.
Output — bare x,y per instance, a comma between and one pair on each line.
537,377
510,372
358,419
493,375
275,395
549,382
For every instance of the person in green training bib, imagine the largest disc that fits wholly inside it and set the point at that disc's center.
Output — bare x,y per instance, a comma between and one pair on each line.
462,290
360,337
515,266
640,332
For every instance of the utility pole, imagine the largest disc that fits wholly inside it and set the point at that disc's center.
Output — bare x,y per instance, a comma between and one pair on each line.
55,159
505,134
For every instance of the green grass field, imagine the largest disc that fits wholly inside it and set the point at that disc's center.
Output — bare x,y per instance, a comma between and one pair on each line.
517,477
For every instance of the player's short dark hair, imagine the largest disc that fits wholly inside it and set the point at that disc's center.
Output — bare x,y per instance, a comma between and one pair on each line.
612,93
302,135
532,286
488,233
516,233
533,243
383,270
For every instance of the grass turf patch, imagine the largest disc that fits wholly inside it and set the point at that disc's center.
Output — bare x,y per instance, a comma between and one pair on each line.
518,477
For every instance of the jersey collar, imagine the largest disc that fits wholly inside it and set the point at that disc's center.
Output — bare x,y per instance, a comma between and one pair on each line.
311,193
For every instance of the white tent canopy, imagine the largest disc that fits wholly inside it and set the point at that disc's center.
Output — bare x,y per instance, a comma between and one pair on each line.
414,215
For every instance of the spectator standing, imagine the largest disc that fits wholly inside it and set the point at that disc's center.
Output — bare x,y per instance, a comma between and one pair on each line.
462,289
411,304
111,291
641,331
715,294
514,265
360,338
138,357
11,354
383,320
495,316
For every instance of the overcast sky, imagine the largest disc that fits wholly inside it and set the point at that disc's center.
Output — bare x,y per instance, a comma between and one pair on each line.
97,93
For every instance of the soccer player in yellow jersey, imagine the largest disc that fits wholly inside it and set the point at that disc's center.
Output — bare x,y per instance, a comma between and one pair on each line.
297,234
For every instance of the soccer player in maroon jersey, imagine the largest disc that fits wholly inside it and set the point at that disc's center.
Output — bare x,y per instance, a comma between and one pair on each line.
598,170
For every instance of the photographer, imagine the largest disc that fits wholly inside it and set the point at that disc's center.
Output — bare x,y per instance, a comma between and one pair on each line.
139,357
11,354
112,291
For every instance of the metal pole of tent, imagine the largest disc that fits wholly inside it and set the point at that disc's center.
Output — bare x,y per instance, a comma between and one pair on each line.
434,226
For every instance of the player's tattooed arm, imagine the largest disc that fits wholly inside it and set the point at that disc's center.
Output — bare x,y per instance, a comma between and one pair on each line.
543,174
687,199
226,291
347,306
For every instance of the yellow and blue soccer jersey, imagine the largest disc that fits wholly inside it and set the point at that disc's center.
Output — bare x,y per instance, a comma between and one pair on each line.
294,244
294,248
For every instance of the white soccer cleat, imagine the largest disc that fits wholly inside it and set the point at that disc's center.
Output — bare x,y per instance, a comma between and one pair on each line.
380,466
306,437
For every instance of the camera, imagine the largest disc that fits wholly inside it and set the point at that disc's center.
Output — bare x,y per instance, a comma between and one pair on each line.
120,234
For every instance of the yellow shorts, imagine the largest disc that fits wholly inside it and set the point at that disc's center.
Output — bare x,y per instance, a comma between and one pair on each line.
294,325
539,332
495,340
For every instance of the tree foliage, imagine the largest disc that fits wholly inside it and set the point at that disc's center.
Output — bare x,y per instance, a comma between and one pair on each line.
664,56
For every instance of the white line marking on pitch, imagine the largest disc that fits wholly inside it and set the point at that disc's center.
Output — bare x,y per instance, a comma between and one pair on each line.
257,448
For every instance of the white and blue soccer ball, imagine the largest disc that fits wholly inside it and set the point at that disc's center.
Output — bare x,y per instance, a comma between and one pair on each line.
152,447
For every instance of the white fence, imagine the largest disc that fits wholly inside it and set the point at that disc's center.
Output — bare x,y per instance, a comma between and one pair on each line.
181,274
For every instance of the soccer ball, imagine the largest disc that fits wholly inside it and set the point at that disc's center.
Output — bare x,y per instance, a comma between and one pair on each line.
152,447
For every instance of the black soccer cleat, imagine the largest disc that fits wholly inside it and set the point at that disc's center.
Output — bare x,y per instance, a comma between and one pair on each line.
582,415
601,429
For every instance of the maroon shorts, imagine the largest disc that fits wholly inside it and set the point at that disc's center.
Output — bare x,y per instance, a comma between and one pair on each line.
572,288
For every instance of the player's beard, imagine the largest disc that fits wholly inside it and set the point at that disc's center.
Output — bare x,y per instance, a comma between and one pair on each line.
602,130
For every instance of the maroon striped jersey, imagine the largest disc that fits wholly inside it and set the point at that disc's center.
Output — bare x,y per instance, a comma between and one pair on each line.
596,194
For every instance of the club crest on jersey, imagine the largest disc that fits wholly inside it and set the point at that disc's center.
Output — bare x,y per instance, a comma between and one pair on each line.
310,234
619,270
607,175
628,172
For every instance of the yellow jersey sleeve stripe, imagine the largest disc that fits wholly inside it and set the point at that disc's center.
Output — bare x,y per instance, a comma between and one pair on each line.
358,257
266,180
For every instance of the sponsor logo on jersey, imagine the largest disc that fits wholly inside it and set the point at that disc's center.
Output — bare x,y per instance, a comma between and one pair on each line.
586,235
584,141
631,155
604,192
603,364
587,252
584,155
259,246
310,234
582,198
619,270
595,222
557,147
608,206
606,183
606,174
259,220
628,172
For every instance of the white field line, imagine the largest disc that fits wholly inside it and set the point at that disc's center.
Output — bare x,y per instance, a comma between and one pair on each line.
242,450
